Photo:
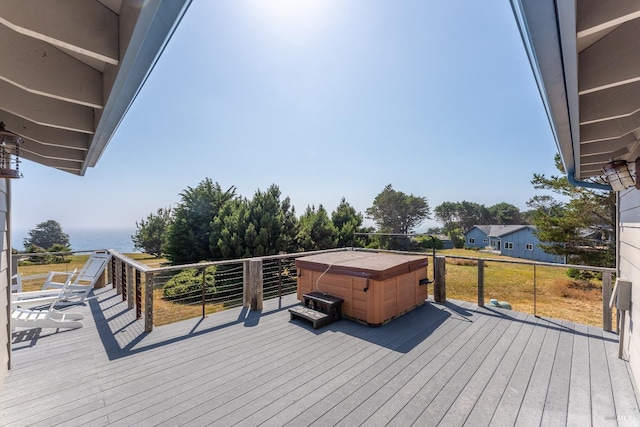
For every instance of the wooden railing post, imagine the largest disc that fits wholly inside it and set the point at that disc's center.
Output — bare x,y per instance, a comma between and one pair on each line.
480,283
148,302
131,298
606,297
246,294
255,284
102,280
439,285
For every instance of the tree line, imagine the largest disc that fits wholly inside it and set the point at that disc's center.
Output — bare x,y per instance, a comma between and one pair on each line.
212,223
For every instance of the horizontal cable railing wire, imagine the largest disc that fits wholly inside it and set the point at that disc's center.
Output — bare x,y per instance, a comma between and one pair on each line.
228,286
279,277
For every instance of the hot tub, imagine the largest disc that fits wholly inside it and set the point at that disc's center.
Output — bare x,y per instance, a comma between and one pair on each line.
375,287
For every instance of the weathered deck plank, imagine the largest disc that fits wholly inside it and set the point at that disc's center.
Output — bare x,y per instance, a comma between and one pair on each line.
447,365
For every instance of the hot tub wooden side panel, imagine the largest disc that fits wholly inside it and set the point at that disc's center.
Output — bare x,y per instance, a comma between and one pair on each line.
350,289
382,300
399,295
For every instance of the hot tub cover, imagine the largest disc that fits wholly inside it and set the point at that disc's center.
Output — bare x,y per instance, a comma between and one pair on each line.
370,265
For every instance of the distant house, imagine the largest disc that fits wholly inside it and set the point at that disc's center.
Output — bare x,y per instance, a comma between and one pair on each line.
517,241
446,241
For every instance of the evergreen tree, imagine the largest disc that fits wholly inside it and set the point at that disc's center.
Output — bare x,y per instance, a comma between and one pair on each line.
347,221
505,214
259,227
190,231
316,231
396,212
151,234
446,214
45,235
581,226
470,214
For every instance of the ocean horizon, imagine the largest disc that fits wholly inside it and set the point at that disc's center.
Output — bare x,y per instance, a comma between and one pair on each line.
118,239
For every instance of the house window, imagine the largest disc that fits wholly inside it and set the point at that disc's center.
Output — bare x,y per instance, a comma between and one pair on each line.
508,245
529,246
472,240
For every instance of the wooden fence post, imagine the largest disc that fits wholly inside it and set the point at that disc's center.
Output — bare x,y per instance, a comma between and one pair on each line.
480,283
246,294
130,295
255,283
606,296
439,285
148,302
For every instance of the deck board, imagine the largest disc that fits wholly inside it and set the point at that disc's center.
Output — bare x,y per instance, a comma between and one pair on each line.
555,407
441,364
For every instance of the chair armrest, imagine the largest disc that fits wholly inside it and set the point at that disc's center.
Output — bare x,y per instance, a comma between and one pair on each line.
49,283
34,302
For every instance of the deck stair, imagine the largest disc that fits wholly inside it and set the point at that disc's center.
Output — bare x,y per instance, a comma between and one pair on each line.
319,308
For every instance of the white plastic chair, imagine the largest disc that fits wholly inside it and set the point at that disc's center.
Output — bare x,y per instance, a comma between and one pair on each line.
77,286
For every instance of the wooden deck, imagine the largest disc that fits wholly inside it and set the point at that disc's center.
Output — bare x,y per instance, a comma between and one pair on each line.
450,365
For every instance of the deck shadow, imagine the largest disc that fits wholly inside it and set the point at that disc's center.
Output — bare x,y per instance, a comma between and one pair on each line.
122,335
401,334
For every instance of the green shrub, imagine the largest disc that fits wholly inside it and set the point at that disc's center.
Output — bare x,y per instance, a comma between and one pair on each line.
577,274
425,242
186,286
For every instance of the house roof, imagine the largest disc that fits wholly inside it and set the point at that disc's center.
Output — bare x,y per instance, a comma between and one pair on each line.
500,230
70,71
585,56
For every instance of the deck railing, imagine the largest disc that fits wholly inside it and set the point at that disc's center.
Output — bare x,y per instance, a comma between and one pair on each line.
249,281
440,280
244,282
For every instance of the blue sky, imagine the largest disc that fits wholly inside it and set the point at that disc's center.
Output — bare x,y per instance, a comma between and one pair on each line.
325,98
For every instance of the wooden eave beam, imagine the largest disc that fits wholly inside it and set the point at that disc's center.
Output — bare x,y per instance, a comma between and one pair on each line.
46,135
50,152
82,26
613,103
611,129
595,16
46,111
607,146
39,68
612,61
64,165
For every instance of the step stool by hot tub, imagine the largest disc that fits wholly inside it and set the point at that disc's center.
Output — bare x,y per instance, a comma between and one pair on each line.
375,287
318,308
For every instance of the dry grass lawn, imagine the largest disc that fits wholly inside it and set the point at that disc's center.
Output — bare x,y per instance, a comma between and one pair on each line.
557,295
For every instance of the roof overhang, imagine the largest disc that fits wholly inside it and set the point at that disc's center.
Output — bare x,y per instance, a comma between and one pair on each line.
70,69
585,55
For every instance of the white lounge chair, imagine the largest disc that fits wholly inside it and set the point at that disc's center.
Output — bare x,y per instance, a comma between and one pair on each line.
23,315
76,291
41,298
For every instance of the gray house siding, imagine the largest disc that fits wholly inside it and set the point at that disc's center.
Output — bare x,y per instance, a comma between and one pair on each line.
629,269
476,238
518,241
524,244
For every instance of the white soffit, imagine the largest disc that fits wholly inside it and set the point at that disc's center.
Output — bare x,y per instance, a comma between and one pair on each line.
70,70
